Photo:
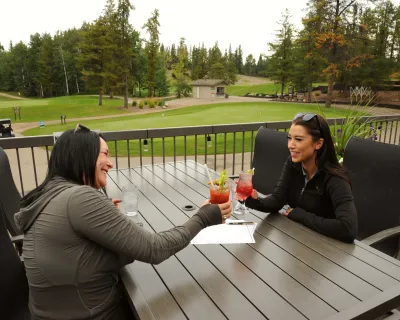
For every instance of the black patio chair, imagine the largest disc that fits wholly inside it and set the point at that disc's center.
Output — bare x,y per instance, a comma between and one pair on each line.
14,293
9,199
374,171
270,154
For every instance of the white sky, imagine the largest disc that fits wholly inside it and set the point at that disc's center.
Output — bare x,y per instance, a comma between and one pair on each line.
251,23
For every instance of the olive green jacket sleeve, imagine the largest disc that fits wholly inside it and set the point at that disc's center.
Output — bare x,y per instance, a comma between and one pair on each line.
95,217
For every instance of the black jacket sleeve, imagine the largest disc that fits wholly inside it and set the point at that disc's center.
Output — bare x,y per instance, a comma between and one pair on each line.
278,198
344,227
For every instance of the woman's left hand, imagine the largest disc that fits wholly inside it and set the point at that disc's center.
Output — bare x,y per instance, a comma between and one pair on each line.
116,202
286,213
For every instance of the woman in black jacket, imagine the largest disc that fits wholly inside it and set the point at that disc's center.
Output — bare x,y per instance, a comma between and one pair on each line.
312,182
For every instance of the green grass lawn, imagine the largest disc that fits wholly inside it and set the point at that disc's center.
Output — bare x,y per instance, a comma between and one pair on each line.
51,108
212,114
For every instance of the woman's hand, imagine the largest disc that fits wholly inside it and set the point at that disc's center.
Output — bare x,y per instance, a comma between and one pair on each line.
116,202
226,209
254,194
286,213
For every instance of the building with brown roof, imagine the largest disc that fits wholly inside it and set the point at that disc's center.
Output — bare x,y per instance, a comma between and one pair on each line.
209,88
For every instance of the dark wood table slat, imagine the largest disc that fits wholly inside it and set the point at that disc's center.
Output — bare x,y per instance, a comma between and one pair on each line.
365,271
365,253
335,273
137,301
372,308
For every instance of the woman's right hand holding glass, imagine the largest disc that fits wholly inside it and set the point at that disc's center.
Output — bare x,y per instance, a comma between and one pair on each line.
254,194
226,209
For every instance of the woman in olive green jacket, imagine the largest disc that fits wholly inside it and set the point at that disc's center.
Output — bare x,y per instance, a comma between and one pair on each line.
76,239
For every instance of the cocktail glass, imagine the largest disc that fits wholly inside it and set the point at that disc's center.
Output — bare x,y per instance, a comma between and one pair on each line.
220,194
244,188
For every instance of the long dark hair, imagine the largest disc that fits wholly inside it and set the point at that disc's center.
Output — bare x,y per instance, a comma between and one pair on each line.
73,158
326,158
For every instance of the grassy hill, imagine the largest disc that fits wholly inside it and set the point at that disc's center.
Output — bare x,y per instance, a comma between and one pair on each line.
52,108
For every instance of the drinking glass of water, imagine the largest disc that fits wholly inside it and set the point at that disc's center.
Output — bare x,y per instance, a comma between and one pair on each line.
130,200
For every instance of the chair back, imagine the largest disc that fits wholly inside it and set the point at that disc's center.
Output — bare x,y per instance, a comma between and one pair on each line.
9,195
270,154
14,293
374,172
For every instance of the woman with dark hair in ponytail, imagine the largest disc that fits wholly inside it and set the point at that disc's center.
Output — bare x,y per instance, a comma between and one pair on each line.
312,182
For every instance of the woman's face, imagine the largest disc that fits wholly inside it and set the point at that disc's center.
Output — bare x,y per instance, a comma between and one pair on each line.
301,145
103,164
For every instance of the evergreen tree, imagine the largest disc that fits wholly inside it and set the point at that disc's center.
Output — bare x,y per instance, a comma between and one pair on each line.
180,72
93,56
152,47
281,61
162,84
124,45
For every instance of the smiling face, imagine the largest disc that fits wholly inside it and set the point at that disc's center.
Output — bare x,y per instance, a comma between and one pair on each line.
103,164
301,145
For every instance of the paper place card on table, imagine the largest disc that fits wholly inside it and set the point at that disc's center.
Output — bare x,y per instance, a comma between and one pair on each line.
233,231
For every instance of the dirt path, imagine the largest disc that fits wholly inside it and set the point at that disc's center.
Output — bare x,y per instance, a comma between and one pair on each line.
11,96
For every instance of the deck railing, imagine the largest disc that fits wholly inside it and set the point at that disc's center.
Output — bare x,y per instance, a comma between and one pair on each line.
222,146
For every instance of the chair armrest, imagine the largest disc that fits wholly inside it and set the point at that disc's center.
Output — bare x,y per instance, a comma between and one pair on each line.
17,239
381,236
233,177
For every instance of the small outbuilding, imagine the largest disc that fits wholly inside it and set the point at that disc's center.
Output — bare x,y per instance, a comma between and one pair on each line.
209,88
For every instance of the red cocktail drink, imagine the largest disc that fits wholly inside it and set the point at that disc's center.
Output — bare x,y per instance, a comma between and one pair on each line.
244,188
219,195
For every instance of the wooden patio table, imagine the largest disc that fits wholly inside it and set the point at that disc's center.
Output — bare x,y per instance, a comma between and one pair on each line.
290,272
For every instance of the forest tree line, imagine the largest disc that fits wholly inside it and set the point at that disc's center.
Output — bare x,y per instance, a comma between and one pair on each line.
348,42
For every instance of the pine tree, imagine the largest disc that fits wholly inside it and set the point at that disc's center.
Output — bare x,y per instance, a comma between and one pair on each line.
281,61
93,56
180,72
125,46
152,47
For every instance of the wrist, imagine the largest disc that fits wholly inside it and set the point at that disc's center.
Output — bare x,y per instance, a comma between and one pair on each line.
260,196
